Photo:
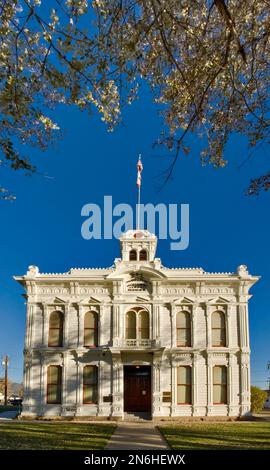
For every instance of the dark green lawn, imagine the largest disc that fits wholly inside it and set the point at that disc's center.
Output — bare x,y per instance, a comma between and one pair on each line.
37,436
225,436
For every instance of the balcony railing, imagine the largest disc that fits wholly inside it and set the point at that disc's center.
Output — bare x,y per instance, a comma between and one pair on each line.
136,343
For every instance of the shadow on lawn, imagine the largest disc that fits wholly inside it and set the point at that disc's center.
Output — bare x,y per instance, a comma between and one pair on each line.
50,436
233,437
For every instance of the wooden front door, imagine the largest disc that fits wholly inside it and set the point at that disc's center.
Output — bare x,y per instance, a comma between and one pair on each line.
137,388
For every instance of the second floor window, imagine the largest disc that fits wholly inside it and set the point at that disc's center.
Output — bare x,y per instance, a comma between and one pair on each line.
131,325
137,324
91,330
218,329
183,329
143,325
56,323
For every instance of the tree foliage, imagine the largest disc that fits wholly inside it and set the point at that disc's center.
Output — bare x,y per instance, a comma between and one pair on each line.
206,61
258,398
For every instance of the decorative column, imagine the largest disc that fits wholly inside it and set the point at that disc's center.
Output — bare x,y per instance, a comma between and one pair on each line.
156,330
173,387
64,382
79,385
195,410
100,389
157,397
210,407
243,326
100,325
244,357
232,397
29,325
66,329
173,326
117,404
27,382
80,326
45,330
116,324
228,326
244,385
208,326
42,390
193,325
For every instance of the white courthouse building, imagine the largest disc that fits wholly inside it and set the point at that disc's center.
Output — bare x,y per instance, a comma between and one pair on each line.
137,337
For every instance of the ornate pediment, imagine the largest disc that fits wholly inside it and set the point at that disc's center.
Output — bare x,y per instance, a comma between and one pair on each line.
141,299
90,300
219,300
183,300
58,301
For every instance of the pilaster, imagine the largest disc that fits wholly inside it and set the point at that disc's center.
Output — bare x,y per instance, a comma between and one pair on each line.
117,369
208,326
157,397
173,326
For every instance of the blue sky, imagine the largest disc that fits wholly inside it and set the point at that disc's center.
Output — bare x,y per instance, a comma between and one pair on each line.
43,226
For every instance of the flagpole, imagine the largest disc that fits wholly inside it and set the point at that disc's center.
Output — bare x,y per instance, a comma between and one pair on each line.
139,181
139,203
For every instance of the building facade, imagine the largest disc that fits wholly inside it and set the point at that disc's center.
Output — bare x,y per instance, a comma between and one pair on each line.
137,337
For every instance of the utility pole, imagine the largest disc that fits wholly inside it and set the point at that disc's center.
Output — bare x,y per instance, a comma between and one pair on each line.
5,364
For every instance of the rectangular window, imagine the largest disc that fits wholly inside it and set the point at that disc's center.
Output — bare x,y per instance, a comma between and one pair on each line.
90,330
183,337
219,385
90,382
54,384
218,329
184,385
183,329
90,338
55,337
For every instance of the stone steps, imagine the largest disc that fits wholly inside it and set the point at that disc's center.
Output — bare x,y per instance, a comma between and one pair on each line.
137,417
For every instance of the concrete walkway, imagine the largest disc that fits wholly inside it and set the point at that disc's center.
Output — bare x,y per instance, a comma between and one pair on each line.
8,415
134,436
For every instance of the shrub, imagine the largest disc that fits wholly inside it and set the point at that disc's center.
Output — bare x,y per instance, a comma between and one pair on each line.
258,398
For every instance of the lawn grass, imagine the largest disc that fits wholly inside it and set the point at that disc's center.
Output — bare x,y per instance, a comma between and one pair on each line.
221,436
47,436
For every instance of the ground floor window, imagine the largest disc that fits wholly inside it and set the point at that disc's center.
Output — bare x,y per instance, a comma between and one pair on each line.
219,385
184,385
54,384
90,384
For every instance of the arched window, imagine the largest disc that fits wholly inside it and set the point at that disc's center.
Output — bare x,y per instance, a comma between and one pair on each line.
143,255
54,384
90,330
56,323
131,325
183,329
218,329
133,255
143,325
90,384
